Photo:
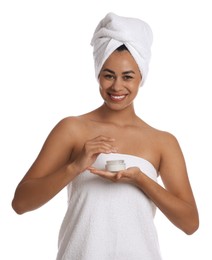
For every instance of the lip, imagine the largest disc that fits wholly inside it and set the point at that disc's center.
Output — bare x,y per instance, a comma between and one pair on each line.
117,97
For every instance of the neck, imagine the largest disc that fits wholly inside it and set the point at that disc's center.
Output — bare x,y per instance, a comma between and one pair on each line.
122,117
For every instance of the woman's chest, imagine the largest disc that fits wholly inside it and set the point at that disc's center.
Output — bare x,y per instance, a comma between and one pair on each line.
128,140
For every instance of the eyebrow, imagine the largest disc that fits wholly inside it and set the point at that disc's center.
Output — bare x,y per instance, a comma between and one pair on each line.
124,73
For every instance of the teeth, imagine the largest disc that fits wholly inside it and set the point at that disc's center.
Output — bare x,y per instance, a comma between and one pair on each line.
117,97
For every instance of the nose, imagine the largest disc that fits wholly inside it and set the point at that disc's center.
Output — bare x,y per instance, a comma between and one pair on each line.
117,84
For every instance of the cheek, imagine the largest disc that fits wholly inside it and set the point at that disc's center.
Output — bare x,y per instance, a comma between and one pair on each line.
104,84
101,90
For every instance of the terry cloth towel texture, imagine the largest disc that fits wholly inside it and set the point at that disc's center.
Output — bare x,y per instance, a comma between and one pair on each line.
114,31
107,220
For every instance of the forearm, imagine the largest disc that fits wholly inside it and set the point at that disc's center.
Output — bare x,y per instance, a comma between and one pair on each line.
33,193
181,213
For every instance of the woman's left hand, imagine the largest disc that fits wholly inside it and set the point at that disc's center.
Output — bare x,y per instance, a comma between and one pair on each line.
129,175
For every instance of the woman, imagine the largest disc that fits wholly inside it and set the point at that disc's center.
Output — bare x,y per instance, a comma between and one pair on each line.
110,215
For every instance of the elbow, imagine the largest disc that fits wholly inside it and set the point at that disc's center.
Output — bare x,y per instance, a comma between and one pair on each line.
20,203
192,226
17,207
192,229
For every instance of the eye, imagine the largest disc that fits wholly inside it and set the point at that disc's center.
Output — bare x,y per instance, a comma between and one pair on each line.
127,77
109,76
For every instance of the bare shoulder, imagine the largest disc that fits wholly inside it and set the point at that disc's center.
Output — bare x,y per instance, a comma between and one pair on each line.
162,138
172,158
167,148
62,139
166,139
72,130
70,125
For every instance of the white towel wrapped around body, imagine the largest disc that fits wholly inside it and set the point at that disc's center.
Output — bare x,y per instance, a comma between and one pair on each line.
114,31
107,220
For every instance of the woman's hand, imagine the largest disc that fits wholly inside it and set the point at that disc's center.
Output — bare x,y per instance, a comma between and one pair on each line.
129,175
91,149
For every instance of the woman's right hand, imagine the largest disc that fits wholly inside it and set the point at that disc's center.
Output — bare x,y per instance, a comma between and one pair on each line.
91,149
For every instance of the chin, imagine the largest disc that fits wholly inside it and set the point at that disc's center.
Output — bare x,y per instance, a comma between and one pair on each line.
116,107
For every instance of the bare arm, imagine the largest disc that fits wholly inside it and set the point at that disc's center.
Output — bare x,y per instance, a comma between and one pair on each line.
50,172
54,169
176,200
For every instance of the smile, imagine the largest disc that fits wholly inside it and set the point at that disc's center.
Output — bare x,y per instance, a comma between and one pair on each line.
117,97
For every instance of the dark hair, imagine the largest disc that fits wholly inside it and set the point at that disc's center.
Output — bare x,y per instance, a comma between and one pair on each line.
122,48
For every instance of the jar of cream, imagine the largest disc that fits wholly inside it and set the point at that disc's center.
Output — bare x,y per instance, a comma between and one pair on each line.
115,165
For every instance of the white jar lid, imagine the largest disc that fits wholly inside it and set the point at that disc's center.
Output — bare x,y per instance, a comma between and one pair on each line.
115,162
115,165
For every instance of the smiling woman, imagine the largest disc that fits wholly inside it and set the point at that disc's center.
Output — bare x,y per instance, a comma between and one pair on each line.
111,215
119,78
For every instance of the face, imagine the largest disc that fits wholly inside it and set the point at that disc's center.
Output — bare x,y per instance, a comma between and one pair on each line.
119,80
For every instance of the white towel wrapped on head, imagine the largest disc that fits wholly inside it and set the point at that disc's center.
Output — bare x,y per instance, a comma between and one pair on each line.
114,31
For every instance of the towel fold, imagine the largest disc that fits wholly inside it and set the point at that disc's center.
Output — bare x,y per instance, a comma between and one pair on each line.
114,31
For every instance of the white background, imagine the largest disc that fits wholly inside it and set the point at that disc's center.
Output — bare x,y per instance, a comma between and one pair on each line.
47,73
